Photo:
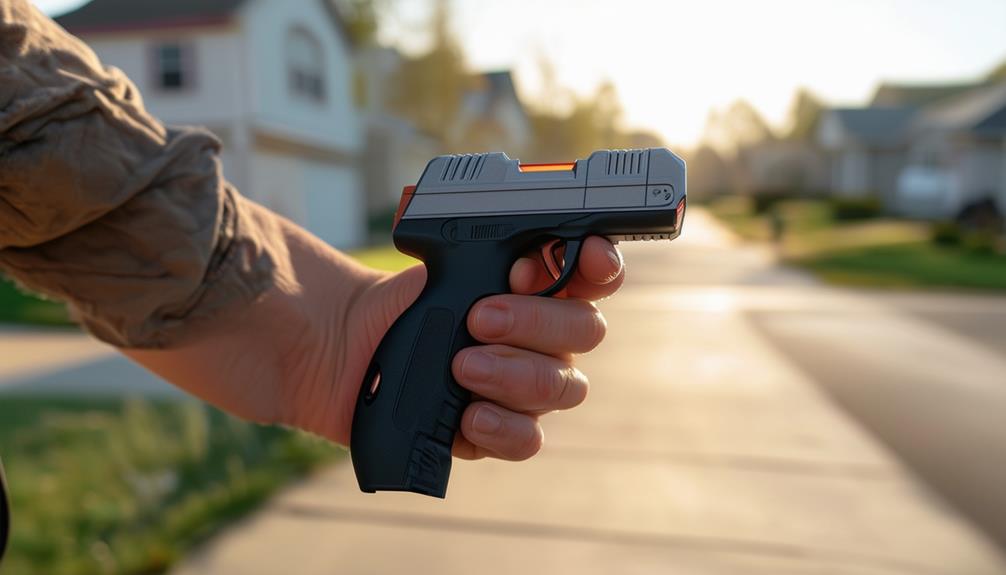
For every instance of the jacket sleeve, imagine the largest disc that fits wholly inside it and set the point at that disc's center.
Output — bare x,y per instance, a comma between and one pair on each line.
102,206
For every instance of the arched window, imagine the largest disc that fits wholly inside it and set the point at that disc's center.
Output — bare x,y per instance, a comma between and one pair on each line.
305,65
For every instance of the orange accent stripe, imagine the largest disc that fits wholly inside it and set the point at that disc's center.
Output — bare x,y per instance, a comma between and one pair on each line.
566,167
403,203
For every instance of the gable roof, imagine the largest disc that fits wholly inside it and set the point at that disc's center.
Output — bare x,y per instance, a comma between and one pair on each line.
877,126
889,94
492,89
121,15
114,15
981,111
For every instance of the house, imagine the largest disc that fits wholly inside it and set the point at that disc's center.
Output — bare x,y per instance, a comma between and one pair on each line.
272,79
865,149
395,151
924,150
492,117
956,155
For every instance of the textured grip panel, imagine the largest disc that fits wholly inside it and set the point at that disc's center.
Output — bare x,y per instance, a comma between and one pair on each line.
429,367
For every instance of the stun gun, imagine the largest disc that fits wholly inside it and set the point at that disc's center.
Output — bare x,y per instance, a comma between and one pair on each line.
468,219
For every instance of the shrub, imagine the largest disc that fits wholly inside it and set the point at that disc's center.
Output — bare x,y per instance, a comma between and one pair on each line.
849,209
946,233
766,199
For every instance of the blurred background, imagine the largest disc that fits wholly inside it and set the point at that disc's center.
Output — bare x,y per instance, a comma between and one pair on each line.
812,379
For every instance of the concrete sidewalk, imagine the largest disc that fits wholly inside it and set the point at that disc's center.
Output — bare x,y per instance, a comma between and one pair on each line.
700,450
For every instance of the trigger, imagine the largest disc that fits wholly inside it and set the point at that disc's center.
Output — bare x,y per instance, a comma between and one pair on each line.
570,260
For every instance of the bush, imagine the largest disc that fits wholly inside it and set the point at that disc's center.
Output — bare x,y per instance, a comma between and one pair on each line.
765,200
946,234
850,209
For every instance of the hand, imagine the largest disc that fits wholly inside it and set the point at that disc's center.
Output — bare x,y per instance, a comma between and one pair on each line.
526,370
298,355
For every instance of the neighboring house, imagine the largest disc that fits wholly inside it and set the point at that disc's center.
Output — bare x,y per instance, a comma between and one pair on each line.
865,148
925,150
396,152
783,166
957,154
492,117
272,79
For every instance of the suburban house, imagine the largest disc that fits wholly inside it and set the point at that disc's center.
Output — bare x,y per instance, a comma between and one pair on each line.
957,154
395,151
865,148
274,80
924,150
493,118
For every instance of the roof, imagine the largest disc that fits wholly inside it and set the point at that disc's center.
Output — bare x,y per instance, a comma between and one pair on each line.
981,111
120,15
918,95
878,126
493,88
112,15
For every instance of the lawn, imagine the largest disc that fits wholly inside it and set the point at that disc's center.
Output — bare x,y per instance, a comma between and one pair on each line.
874,252
116,487
126,487
384,257
19,307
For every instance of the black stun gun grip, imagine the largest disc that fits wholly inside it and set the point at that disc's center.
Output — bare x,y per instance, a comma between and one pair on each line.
468,220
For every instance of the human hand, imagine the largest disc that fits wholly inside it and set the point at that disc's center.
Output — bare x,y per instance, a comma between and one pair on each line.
526,368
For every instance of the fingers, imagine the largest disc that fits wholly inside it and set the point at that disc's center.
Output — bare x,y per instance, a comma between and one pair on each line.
547,325
599,273
494,431
520,380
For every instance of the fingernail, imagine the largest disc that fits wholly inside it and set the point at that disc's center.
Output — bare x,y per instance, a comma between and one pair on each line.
493,321
487,421
616,262
479,366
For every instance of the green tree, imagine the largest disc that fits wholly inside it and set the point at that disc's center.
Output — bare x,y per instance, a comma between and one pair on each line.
804,113
735,129
429,88
360,18
594,123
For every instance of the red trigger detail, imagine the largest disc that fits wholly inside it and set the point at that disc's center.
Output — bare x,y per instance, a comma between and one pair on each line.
548,255
403,204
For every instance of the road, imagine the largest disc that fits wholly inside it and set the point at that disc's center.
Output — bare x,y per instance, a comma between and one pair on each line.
707,446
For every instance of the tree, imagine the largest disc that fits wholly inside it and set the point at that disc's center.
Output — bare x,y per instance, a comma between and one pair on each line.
360,17
804,113
429,88
736,129
594,123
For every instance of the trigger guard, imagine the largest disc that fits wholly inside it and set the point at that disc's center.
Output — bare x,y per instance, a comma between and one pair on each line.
570,260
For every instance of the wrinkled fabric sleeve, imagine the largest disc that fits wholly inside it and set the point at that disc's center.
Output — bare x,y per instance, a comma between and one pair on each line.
130,222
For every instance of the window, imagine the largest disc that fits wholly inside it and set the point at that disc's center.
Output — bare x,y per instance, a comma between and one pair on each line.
173,63
305,66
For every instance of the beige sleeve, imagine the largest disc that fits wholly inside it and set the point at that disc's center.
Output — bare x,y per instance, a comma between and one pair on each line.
102,206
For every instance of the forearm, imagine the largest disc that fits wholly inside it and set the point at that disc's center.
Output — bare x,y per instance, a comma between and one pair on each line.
261,360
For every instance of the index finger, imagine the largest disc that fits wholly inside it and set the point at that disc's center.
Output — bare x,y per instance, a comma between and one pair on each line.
600,272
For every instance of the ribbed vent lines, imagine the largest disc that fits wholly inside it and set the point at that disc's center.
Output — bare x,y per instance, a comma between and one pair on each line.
463,168
625,162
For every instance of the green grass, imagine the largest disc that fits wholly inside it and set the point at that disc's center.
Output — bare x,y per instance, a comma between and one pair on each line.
126,487
20,307
918,264
384,258
877,252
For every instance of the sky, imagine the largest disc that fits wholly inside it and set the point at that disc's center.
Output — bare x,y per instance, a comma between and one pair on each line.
672,61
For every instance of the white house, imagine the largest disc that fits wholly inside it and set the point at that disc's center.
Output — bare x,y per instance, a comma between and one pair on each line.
493,118
272,79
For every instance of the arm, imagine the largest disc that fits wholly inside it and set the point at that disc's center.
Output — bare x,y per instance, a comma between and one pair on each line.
133,224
